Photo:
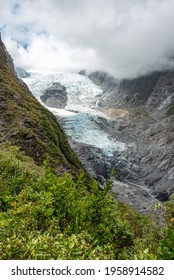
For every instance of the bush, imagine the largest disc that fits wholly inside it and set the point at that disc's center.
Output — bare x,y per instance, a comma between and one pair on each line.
43,216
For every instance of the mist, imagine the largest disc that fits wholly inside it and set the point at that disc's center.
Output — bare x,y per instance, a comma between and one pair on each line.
125,38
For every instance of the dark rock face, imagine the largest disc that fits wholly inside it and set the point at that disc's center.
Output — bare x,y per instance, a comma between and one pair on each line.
161,100
149,101
82,72
95,161
126,92
55,96
103,79
163,196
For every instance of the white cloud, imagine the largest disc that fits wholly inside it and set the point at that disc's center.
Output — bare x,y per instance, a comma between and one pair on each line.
45,54
126,38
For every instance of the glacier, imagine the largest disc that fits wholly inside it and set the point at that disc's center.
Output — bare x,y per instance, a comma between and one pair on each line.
80,116
93,135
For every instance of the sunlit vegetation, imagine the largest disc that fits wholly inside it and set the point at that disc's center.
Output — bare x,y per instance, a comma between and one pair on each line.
43,216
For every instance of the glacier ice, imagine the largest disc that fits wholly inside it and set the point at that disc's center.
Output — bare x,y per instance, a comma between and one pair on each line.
79,116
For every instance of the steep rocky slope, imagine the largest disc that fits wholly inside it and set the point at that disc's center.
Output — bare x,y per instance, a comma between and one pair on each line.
143,109
28,125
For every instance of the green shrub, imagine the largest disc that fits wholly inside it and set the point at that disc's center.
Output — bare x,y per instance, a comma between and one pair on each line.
43,216
167,246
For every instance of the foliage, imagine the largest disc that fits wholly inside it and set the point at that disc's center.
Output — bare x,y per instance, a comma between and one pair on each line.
43,216
167,246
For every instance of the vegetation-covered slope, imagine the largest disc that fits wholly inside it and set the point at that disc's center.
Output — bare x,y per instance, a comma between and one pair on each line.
52,215
43,216
27,124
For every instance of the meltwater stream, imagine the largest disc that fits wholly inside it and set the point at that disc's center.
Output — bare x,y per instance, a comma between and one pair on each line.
79,119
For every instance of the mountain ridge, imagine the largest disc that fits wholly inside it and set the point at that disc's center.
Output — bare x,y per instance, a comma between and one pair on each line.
26,123
143,108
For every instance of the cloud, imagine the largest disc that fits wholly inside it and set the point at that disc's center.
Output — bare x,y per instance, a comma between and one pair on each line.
126,38
47,55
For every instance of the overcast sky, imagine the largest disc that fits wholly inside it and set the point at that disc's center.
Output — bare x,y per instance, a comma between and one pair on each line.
127,38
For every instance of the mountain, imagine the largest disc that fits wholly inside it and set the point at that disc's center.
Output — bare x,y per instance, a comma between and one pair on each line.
125,141
47,210
28,125
143,108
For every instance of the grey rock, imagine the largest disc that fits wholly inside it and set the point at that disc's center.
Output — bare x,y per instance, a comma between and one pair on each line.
82,72
134,196
163,195
55,96
149,125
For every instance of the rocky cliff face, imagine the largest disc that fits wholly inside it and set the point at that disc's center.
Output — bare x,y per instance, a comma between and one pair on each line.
126,92
161,99
24,122
143,109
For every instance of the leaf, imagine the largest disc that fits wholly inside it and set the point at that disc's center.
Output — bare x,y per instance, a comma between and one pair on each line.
71,244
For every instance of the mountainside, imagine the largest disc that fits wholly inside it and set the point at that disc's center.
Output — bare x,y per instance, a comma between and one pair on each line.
143,108
154,91
114,127
27,124
46,214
